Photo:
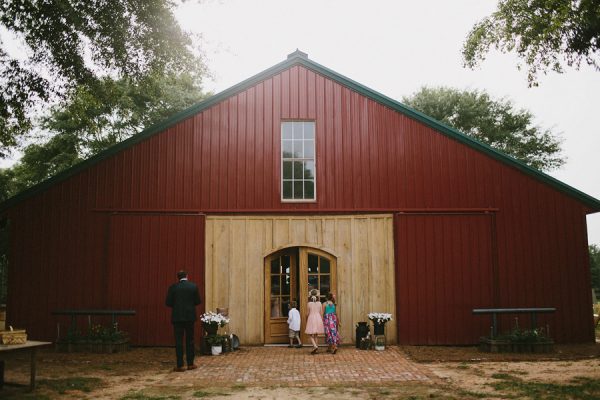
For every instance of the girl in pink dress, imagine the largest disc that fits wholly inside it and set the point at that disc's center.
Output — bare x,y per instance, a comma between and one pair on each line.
314,322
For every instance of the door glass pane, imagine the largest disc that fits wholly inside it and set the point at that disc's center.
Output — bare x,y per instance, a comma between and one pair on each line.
275,287
325,284
285,306
275,266
285,285
313,282
275,306
285,262
313,264
325,269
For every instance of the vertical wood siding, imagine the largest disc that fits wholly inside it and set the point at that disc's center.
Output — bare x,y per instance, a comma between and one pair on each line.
237,245
369,157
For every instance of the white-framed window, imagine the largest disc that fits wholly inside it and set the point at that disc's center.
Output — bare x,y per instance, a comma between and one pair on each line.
298,169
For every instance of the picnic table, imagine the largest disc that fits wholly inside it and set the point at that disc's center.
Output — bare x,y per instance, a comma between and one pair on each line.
495,311
29,346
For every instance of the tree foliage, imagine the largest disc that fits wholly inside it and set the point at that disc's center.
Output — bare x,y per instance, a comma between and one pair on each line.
544,33
494,122
95,118
73,43
595,268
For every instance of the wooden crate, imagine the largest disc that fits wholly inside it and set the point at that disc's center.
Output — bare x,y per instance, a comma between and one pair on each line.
16,336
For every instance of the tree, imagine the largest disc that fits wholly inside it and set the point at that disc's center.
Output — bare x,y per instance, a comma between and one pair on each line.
494,122
95,118
544,33
74,43
595,268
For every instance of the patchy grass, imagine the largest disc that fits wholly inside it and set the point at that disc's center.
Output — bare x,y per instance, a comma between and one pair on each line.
76,383
140,395
578,388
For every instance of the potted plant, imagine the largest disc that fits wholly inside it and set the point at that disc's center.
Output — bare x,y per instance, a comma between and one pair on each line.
379,320
216,344
212,321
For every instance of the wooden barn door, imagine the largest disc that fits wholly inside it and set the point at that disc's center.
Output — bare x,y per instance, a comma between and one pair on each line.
145,252
444,269
290,275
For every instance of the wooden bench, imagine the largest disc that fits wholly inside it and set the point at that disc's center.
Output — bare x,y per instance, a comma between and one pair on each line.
89,313
495,311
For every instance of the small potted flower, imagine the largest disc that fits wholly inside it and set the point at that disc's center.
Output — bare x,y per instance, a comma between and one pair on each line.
379,320
216,344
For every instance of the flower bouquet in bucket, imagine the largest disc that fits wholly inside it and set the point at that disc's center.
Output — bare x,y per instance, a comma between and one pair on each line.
212,321
379,321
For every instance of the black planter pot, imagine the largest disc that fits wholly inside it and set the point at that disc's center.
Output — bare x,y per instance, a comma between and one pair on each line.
362,329
378,328
211,329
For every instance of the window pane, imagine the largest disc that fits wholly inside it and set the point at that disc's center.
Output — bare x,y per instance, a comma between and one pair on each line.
309,149
313,263
298,192
313,282
298,169
325,266
287,170
298,149
309,170
275,287
309,190
325,286
275,266
309,130
298,127
286,130
287,189
287,148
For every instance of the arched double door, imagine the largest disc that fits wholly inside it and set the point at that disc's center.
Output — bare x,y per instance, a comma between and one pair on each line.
290,274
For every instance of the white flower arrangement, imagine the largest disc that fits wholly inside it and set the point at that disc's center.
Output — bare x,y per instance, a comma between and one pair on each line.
380,317
214,318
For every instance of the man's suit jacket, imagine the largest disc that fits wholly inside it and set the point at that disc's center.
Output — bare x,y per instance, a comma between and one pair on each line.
183,297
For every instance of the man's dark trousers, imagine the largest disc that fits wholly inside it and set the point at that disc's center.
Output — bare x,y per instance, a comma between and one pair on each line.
181,329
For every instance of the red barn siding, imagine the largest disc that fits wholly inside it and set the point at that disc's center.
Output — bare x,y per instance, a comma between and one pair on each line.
369,157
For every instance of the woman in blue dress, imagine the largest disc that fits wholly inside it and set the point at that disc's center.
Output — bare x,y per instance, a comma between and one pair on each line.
331,323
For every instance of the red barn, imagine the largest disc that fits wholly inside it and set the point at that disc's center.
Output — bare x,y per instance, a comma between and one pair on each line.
301,178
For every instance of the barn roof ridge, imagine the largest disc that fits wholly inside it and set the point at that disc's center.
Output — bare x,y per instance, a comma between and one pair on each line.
300,58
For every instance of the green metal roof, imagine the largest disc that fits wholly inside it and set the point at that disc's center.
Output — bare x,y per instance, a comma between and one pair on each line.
300,58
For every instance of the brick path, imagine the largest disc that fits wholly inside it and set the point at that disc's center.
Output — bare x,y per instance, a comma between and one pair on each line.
297,367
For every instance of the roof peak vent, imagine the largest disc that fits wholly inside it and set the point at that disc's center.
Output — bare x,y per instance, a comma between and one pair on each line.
298,53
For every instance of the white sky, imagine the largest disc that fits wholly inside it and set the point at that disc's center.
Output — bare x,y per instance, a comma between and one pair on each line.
395,47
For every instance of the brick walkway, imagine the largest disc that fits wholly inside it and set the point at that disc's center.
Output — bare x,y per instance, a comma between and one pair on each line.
297,367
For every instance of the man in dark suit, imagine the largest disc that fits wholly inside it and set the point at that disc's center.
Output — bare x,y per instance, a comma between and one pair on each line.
183,297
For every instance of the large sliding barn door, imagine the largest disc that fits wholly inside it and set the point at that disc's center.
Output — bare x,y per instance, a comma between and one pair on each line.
145,252
444,269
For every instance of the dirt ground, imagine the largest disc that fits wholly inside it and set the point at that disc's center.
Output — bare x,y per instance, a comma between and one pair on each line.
572,371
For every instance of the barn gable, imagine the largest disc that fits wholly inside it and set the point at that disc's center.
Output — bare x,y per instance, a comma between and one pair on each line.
294,59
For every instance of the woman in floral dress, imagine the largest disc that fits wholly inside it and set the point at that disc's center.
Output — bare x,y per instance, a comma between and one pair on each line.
331,323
